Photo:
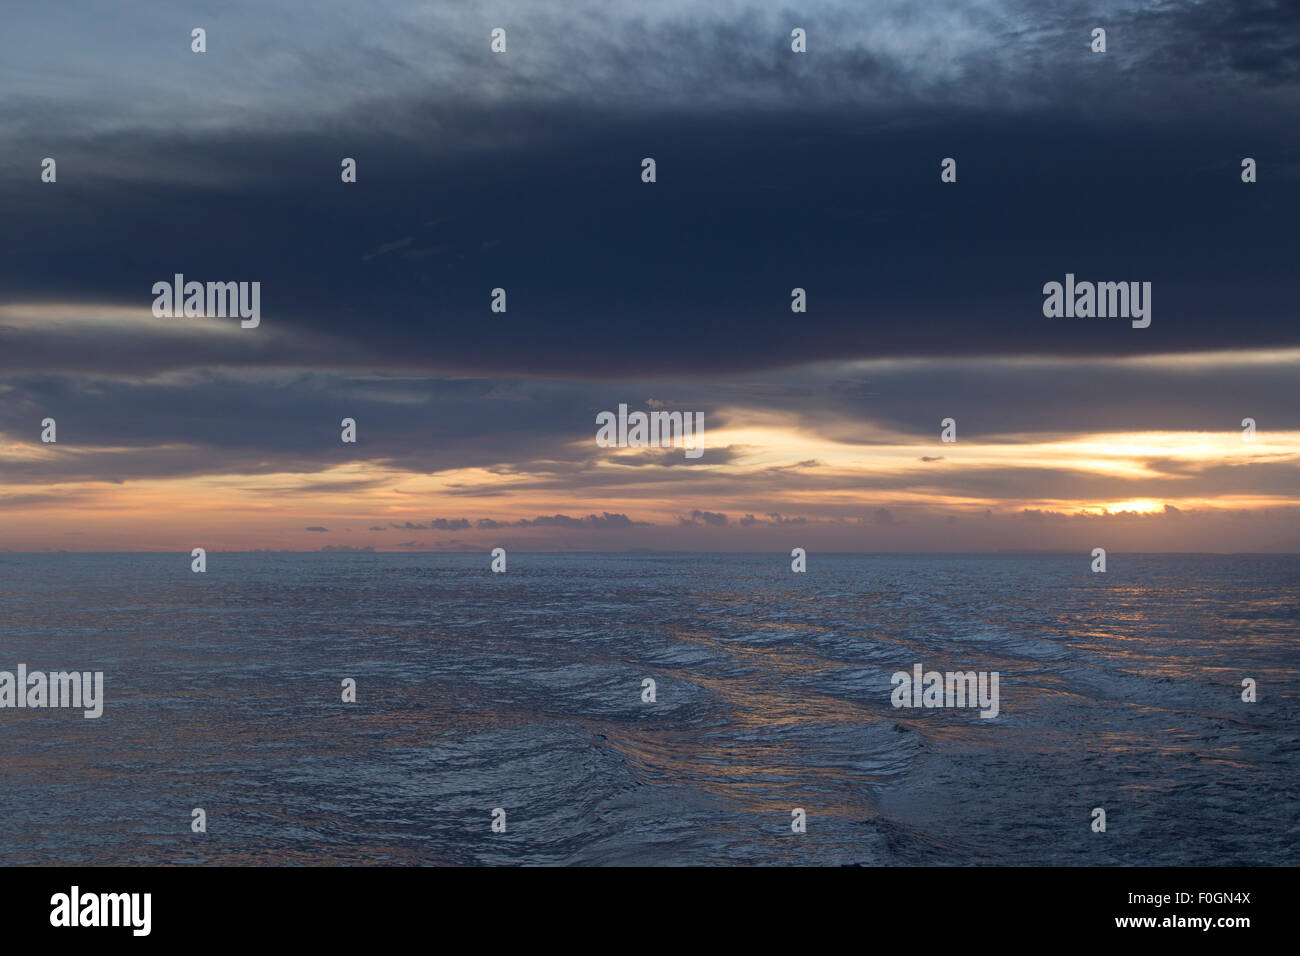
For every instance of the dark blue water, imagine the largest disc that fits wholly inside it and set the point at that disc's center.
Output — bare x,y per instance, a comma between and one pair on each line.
523,691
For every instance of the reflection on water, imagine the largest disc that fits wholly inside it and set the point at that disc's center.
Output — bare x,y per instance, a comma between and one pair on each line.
523,691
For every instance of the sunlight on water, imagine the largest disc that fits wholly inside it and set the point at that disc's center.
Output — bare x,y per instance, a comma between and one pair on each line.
523,691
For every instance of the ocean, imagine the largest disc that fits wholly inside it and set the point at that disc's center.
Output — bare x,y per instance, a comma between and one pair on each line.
523,692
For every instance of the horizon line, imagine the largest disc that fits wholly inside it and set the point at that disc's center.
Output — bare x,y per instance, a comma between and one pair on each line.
639,551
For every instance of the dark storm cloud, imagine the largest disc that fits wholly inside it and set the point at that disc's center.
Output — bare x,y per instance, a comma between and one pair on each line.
993,400
775,171
523,171
540,435
1255,39
273,65
292,423
606,275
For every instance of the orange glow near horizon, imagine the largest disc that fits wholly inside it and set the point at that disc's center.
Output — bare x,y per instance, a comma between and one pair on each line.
777,468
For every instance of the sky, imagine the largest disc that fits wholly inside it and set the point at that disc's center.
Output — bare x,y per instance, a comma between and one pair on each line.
775,170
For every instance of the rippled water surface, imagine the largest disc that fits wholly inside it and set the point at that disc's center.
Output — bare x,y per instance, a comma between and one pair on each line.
523,691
